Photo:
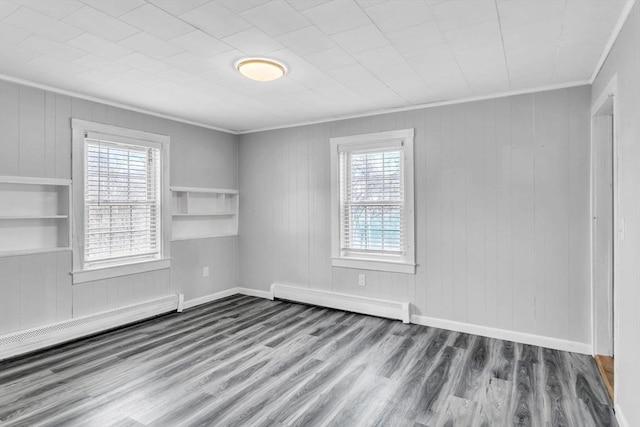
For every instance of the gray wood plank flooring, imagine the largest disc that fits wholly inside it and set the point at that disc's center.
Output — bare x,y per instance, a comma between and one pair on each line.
244,361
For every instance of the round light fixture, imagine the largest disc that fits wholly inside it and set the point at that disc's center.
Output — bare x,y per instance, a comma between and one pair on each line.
261,69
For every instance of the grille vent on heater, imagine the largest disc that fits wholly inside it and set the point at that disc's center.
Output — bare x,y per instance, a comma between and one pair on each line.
75,328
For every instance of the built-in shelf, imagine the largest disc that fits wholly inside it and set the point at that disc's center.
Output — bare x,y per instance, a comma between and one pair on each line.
212,236
203,213
20,217
33,252
34,215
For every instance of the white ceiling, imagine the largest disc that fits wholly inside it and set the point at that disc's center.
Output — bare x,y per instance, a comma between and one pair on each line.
176,57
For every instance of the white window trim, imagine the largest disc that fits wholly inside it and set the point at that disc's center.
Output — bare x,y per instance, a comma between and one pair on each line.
408,265
81,274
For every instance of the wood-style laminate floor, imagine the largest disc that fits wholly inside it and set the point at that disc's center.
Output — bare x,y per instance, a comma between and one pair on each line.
245,361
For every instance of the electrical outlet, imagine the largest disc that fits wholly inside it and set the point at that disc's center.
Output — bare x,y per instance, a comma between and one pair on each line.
205,272
362,280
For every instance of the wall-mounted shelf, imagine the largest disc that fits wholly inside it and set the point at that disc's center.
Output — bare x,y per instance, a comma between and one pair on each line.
34,215
202,213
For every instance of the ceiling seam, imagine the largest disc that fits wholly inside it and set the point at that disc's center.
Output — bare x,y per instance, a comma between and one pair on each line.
504,52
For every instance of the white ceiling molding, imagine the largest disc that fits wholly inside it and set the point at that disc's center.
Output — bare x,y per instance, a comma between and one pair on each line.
111,103
624,15
423,106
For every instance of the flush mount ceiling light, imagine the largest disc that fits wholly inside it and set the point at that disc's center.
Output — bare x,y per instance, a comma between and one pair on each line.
261,69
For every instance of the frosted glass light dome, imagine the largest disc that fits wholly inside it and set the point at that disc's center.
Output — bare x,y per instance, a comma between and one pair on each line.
261,69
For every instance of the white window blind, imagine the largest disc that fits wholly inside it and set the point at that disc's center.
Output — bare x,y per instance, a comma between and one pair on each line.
372,205
122,202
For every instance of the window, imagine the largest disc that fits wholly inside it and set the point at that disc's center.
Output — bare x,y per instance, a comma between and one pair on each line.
372,201
120,179
121,201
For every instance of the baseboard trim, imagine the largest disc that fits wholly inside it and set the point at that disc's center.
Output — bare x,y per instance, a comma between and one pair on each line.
209,298
355,303
622,420
255,293
38,338
503,334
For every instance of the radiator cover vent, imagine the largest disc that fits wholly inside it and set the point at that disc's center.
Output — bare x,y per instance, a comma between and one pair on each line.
28,340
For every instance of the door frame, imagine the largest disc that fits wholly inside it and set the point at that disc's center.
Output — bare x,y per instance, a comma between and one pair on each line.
610,91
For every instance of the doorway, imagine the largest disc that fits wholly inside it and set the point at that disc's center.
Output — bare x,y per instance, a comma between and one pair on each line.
603,207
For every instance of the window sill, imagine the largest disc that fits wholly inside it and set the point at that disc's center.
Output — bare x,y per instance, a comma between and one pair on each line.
108,272
378,265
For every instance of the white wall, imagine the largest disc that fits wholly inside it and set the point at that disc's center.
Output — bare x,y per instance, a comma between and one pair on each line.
35,140
624,60
502,212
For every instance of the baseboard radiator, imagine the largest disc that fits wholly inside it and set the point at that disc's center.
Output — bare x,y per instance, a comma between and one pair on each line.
358,304
29,340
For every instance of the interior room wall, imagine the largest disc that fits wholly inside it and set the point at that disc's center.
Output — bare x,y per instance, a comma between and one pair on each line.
624,61
502,212
35,140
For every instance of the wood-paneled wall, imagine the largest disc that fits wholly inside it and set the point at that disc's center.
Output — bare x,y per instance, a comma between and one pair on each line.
623,62
502,212
35,140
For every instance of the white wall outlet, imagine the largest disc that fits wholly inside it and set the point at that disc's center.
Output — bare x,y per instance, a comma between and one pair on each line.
205,272
362,280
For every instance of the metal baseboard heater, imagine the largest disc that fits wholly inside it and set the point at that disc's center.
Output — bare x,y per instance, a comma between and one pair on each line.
25,341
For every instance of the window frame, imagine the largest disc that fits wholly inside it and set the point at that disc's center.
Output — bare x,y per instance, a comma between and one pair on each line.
375,142
104,269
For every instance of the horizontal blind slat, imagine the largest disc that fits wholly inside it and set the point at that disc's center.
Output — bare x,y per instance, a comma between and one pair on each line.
122,194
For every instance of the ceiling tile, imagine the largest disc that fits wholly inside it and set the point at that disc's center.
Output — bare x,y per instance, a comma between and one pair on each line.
239,6
416,37
360,39
306,4
115,7
143,63
41,24
149,45
187,61
216,20
431,56
514,14
331,58
377,58
252,42
11,35
178,7
451,15
46,64
7,7
99,46
306,40
156,22
368,3
394,15
11,58
487,32
275,18
56,9
350,73
200,43
51,47
110,28
337,16
100,64
483,59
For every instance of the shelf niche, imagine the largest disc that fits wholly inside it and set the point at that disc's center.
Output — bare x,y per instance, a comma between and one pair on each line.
199,213
34,215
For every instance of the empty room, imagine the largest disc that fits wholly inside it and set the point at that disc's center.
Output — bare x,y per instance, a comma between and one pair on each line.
418,213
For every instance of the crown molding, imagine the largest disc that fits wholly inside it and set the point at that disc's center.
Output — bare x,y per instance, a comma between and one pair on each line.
111,103
421,106
626,11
